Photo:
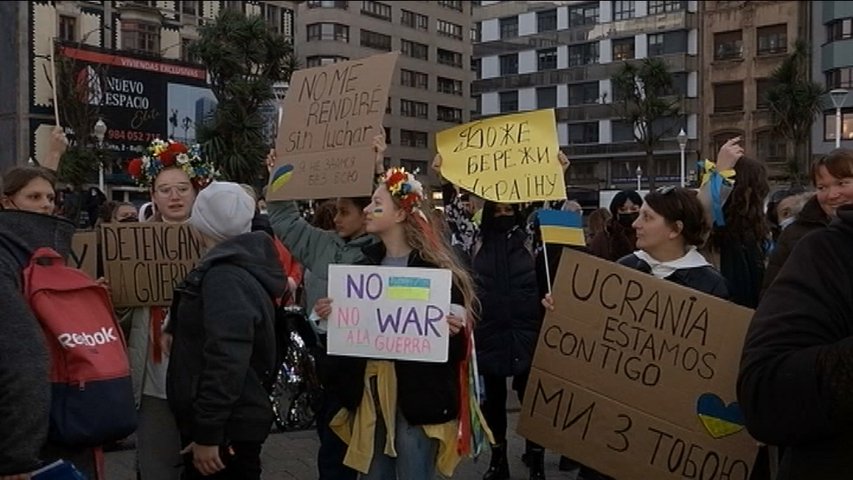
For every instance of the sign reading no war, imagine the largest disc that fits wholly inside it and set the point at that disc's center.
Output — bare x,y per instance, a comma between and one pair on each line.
389,312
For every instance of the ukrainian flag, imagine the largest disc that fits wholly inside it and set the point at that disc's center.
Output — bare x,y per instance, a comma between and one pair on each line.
564,228
408,288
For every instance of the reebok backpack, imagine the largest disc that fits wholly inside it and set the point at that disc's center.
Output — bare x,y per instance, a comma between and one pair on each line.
92,399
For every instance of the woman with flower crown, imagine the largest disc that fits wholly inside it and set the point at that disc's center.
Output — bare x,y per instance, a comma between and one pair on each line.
174,174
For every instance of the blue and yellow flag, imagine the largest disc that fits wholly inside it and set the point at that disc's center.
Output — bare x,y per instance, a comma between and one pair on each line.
408,288
564,228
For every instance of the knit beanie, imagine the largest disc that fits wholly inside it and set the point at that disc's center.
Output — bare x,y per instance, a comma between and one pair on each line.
223,210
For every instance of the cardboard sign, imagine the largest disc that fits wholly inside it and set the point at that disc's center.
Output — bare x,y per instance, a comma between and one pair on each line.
325,143
144,262
635,376
507,159
388,312
84,252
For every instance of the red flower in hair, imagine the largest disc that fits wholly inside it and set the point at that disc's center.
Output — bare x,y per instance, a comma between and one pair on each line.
167,158
177,148
134,168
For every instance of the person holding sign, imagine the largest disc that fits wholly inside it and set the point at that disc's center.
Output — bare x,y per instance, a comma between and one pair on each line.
400,417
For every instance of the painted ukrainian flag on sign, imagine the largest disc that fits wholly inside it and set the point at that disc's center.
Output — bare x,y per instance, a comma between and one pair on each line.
564,228
408,288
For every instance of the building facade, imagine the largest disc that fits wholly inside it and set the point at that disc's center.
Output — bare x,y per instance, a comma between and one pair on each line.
563,54
832,65
743,43
155,31
431,85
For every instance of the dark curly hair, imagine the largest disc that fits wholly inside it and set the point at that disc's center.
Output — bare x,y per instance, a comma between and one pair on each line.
744,210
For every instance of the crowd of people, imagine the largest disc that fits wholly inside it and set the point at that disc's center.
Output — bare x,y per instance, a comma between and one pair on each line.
199,367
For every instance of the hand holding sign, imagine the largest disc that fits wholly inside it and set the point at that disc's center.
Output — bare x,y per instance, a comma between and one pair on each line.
58,146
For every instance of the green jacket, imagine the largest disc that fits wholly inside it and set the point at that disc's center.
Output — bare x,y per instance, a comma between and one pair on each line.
314,248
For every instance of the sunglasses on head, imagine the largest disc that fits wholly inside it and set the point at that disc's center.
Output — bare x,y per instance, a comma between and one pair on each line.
665,189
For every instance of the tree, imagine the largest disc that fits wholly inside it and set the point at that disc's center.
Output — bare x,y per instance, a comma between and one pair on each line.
244,59
794,101
641,97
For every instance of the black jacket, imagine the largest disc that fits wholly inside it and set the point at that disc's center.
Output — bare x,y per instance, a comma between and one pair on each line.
505,273
427,393
224,342
796,375
704,279
811,218
24,362
614,242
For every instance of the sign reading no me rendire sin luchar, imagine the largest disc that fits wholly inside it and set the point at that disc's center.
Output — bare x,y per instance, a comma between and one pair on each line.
144,262
635,376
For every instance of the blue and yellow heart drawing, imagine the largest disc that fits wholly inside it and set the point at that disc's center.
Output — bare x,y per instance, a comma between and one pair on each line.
281,176
719,419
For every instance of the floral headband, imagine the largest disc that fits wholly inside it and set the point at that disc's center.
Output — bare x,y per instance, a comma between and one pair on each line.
165,154
405,188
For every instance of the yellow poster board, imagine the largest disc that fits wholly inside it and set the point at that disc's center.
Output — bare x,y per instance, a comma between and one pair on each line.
507,159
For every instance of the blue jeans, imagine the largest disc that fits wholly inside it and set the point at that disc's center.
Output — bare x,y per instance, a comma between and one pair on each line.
416,453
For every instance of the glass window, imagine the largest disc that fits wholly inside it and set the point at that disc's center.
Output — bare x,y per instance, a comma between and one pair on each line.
413,166
728,45
679,84
668,43
773,39
450,86
623,9
378,10
546,21
476,67
771,147
328,31
410,78
509,101
546,59
321,4
411,108
375,40
841,29
583,54
414,20
414,49
728,97
509,27
546,97
509,64
583,132
839,78
762,85
666,6
622,131
412,138
453,5
478,104
476,32
586,14
583,93
448,29
448,114
67,28
140,36
623,49
846,125
319,60
449,57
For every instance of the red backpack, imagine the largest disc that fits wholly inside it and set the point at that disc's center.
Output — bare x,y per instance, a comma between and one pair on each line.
92,399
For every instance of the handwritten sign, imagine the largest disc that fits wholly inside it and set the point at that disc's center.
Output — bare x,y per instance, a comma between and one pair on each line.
507,159
388,312
325,143
144,262
635,376
84,252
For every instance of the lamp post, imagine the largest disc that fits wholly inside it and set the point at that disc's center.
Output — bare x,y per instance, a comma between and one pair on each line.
838,95
99,130
682,144
639,178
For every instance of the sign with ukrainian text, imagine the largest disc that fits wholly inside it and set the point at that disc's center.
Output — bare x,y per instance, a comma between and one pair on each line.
506,159
389,312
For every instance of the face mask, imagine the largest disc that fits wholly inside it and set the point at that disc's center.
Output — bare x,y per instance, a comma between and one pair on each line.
128,220
504,223
784,223
627,219
263,211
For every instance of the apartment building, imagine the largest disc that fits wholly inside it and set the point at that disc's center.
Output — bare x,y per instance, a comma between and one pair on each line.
832,65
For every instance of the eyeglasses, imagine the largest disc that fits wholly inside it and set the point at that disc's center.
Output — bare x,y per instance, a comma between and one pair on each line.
166,190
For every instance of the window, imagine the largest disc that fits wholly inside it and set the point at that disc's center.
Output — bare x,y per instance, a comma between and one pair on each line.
841,29
319,60
412,138
583,15
509,64
411,108
414,20
413,166
477,32
546,59
728,97
378,10
668,43
410,78
450,86
583,132
546,21
665,6
623,49
509,27
185,51
772,39
387,130
679,84
623,9
583,54
509,101
762,85
449,114
449,57
375,40
622,131
67,28
329,31
240,6
457,5
583,93
189,8
448,29
476,67
140,36
546,97
323,4
846,125
728,45
478,104
413,49
272,15
839,78
771,147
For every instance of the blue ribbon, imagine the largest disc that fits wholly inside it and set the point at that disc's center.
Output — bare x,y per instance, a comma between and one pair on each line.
716,184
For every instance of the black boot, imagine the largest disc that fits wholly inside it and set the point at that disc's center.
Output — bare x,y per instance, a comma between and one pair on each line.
536,463
498,466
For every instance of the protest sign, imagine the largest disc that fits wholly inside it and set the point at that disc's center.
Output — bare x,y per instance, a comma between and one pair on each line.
84,252
507,159
389,312
325,143
635,376
144,262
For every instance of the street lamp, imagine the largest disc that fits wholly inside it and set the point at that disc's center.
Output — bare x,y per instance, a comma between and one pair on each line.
682,144
838,95
639,178
100,129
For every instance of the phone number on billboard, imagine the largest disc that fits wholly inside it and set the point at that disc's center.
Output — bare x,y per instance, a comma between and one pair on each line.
131,135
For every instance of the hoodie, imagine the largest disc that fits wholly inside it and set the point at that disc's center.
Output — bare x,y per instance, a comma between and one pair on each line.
796,373
223,322
24,362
